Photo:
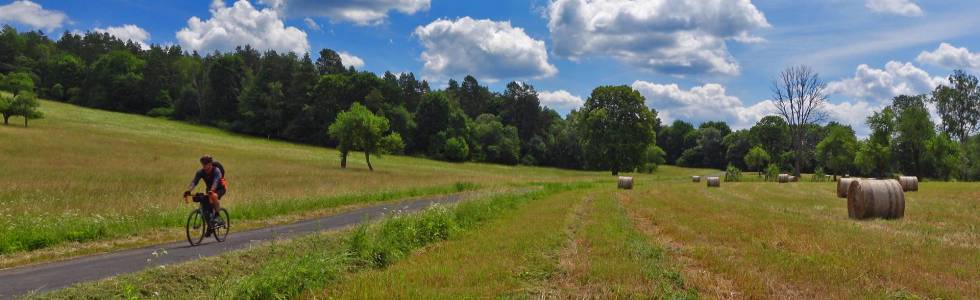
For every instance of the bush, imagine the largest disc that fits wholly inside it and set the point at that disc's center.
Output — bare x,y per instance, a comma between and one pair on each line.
772,172
392,144
161,112
733,174
455,150
819,175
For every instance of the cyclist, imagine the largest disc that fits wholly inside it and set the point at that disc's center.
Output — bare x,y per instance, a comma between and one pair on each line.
211,172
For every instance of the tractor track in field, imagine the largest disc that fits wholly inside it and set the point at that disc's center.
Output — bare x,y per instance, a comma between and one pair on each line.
51,276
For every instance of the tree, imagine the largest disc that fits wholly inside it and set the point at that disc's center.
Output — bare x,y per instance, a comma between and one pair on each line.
872,158
17,82
737,145
616,128
329,62
958,105
653,157
522,110
5,103
712,148
772,133
799,96
757,158
673,139
913,130
494,142
360,129
438,120
24,104
943,156
474,98
837,149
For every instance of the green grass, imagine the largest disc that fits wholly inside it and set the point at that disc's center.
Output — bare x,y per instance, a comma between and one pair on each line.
286,269
102,180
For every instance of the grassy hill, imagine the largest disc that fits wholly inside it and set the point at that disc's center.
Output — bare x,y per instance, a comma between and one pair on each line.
81,175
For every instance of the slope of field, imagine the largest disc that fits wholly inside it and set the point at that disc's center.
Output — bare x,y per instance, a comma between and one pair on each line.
110,180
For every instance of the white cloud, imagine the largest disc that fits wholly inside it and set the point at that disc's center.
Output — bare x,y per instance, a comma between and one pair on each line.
951,57
702,103
906,8
239,25
881,85
33,15
667,36
349,60
128,32
561,100
360,12
483,48
311,24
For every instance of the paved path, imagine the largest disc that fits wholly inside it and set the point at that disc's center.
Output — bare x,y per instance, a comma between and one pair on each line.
56,275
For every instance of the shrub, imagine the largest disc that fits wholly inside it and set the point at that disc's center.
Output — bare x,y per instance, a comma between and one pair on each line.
772,172
733,174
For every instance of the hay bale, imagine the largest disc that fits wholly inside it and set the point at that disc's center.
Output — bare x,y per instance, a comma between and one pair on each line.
875,199
783,178
714,182
696,178
794,179
842,185
625,183
909,183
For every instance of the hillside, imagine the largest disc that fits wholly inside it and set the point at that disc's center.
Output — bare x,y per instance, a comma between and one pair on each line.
91,175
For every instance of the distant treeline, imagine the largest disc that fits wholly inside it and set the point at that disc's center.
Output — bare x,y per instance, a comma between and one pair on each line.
292,97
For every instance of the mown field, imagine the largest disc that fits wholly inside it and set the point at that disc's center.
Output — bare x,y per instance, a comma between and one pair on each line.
83,180
668,238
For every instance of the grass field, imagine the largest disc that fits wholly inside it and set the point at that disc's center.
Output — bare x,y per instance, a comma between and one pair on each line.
83,180
572,237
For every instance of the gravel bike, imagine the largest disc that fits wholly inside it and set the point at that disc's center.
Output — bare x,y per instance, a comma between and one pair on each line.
203,222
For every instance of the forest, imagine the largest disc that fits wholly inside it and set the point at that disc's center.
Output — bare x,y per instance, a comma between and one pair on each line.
292,97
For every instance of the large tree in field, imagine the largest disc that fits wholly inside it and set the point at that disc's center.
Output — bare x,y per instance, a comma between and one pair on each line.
958,105
360,129
616,128
798,93
913,130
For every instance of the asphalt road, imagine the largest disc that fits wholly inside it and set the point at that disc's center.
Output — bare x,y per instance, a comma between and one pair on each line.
52,276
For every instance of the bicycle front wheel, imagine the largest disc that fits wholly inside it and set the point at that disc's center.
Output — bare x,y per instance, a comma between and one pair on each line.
221,229
195,227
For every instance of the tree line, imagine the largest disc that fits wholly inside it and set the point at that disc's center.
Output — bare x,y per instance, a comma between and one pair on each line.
294,98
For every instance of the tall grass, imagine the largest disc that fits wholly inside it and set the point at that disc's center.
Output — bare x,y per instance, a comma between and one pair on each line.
379,245
31,232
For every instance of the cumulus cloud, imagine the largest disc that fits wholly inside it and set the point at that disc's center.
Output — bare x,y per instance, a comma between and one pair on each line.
561,100
349,60
667,36
881,85
239,25
33,15
951,57
709,102
360,12
482,48
906,8
128,32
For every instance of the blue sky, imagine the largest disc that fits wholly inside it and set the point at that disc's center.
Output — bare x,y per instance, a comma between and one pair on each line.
693,60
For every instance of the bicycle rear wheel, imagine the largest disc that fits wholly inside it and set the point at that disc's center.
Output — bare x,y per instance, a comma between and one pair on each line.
195,227
221,231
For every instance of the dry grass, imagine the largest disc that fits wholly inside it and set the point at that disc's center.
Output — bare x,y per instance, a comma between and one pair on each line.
92,175
795,240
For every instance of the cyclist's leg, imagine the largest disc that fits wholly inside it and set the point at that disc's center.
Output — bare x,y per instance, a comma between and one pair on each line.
217,201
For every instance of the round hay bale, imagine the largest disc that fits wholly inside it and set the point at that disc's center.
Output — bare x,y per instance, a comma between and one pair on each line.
842,185
783,178
714,182
794,179
625,183
909,183
696,178
875,199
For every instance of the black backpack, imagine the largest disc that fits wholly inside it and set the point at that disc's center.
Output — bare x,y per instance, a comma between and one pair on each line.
220,168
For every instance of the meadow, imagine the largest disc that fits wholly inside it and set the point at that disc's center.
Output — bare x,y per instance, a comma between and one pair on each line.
527,232
83,180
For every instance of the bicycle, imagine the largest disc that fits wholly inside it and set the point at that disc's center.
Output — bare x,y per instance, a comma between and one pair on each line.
201,224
